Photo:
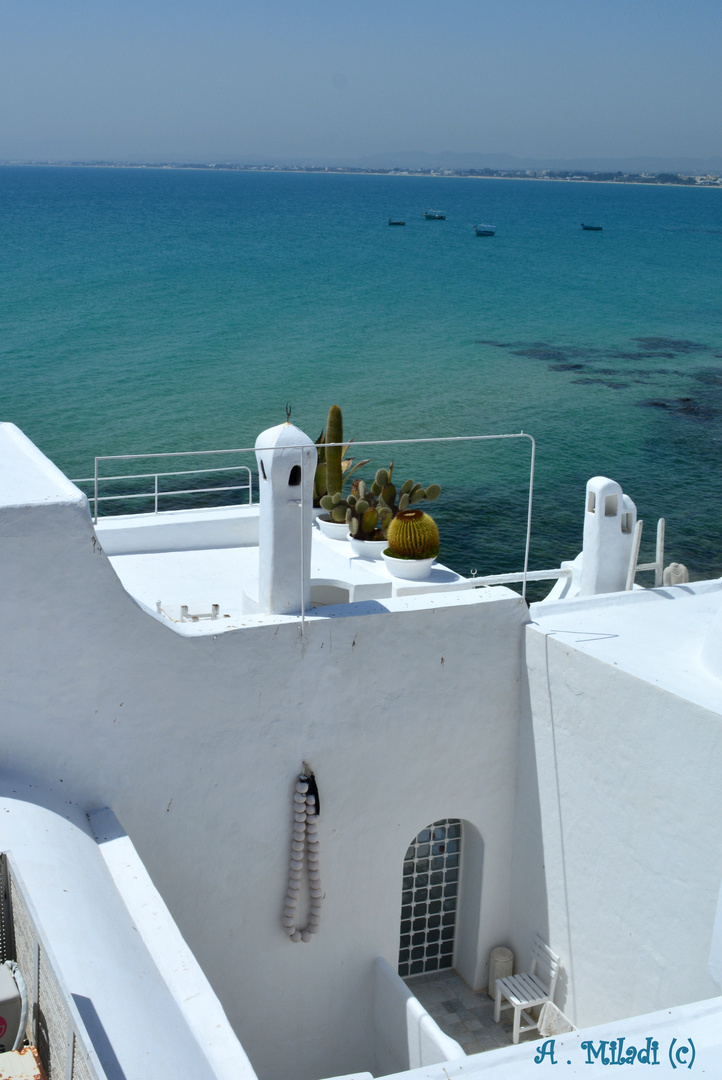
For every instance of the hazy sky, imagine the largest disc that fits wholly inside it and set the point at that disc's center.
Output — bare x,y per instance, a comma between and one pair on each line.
235,80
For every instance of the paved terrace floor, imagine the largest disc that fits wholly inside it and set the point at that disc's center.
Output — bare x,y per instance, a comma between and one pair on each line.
462,1014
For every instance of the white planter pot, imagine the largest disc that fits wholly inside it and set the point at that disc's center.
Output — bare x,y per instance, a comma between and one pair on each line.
367,549
409,569
334,530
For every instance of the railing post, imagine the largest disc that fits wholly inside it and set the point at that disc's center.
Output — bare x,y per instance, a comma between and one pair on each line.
659,560
95,494
634,557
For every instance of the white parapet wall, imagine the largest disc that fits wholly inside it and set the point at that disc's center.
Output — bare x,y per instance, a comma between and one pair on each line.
406,1037
180,530
146,1006
669,1044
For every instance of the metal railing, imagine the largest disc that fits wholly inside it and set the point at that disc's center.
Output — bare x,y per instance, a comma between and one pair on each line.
157,492
305,448
54,1024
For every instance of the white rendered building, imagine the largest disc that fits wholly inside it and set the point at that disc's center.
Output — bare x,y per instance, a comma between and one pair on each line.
163,687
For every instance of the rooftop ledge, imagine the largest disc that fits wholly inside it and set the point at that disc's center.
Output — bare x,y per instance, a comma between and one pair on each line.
658,635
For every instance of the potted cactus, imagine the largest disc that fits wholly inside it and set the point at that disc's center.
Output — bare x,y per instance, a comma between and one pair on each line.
413,544
369,512
333,469
366,519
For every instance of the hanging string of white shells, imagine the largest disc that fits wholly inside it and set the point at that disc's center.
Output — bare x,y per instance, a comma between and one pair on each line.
304,847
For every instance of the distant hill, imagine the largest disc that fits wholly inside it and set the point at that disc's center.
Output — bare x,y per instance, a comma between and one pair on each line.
450,160
420,159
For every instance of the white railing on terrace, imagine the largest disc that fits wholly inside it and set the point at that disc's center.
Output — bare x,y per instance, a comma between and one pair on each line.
157,492
518,577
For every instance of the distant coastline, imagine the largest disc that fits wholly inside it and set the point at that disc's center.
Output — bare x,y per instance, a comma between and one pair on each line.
580,176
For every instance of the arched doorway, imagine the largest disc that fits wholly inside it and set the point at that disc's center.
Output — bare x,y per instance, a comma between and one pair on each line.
429,899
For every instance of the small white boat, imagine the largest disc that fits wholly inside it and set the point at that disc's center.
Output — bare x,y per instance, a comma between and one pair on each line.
485,230
434,215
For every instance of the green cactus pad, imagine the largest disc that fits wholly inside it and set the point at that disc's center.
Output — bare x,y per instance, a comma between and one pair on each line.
369,520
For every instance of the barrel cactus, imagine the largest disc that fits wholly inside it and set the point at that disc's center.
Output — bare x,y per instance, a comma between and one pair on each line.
413,534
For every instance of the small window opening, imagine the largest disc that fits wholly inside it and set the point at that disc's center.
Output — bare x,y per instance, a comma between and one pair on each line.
591,502
429,899
295,478
263,470
610,506
626,523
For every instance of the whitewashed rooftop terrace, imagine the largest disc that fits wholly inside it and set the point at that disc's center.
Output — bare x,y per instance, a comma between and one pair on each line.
665,636
198,574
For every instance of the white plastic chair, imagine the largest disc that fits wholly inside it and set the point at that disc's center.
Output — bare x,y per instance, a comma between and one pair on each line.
528,989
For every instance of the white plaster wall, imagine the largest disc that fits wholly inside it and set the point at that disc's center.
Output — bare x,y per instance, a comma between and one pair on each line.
406,716
629,818
185,530
405,1035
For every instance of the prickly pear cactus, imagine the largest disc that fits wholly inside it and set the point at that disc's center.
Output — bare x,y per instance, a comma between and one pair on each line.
408,494
413,535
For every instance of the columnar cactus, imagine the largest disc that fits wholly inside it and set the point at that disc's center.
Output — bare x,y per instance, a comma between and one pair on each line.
334,454
332,459
413,535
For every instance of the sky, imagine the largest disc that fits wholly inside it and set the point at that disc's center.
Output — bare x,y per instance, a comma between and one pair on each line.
233,80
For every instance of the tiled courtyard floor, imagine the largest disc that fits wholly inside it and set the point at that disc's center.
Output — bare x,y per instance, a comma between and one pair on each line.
462,1014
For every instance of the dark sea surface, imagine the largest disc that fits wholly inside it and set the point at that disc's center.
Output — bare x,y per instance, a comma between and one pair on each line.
162,310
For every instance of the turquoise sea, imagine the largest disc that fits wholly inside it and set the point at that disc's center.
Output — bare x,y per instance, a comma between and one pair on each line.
158,310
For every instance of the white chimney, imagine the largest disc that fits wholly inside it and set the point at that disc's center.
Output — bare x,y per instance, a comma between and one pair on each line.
286,466
610,517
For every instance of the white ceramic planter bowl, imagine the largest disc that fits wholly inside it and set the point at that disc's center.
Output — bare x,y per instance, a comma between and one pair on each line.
334,530
409,569
367,549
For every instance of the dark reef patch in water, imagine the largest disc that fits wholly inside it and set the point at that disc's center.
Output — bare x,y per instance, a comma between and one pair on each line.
665,346
602,382
709,376
539,352
567,366
684,406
